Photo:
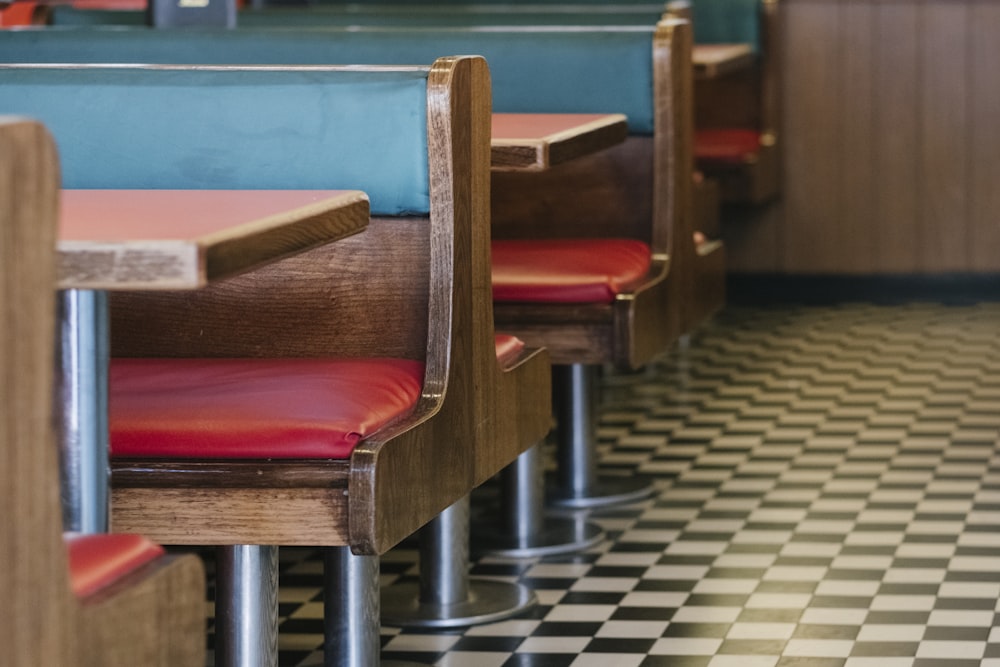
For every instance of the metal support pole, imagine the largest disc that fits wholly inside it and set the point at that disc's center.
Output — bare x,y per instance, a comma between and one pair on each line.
525,530
446,596
444,557
350,609
82,394
577,483
246,606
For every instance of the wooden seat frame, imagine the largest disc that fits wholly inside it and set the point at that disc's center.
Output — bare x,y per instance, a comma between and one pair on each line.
403,275
153,616
748,99
409,286
640,190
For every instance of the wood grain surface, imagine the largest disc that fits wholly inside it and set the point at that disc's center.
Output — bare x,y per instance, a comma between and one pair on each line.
170,239
155,615
890,127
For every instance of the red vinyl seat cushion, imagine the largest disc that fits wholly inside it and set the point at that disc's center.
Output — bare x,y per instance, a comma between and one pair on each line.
508,348
18,14
726,145
97,561
255,408
567,270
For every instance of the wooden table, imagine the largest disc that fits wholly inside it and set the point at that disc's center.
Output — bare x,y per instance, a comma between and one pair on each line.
537,141
713,60
157,240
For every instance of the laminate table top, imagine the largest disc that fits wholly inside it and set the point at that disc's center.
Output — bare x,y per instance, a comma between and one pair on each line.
185,239
538,141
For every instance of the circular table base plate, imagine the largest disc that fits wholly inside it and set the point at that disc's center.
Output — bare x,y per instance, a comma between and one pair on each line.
488,601
606,491
558,535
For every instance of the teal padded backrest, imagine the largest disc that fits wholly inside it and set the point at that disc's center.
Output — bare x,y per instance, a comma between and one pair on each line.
286,128
533,69
69,15
393,15
594,15
726,21
715,21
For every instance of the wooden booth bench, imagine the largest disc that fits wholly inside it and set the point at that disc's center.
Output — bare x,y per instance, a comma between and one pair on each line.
516,80
738,113
399,316
113,600
638,191
712,59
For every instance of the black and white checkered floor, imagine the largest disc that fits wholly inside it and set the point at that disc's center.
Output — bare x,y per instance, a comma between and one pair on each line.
829,494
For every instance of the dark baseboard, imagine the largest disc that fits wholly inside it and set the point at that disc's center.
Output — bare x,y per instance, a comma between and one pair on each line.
823,289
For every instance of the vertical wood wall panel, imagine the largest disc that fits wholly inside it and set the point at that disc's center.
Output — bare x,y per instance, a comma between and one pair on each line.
892,141
984,151
896,137
943,221
811,137
857,178
756,238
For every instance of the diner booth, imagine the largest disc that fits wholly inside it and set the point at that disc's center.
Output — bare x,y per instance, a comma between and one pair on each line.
506,333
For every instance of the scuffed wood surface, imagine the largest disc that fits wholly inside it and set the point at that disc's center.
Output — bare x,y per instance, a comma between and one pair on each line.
185,239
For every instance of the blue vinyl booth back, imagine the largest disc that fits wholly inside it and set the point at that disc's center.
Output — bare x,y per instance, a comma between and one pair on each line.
538,69
234,128
429,15
715,21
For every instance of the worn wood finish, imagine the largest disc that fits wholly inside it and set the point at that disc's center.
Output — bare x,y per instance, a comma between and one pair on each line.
155,616
33,577
513,404
910,142
408,286
153,473
641,190
227,514
540,141
459,108
189,238
523,413
304,306
568,341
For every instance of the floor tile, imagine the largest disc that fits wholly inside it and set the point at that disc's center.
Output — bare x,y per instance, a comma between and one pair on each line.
828,495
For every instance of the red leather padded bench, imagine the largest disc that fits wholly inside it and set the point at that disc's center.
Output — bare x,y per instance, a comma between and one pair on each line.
255,409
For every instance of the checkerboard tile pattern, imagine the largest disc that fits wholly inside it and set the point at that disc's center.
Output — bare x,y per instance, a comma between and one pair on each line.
829,495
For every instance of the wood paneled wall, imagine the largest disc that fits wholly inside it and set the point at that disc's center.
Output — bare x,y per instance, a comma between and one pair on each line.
892,141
